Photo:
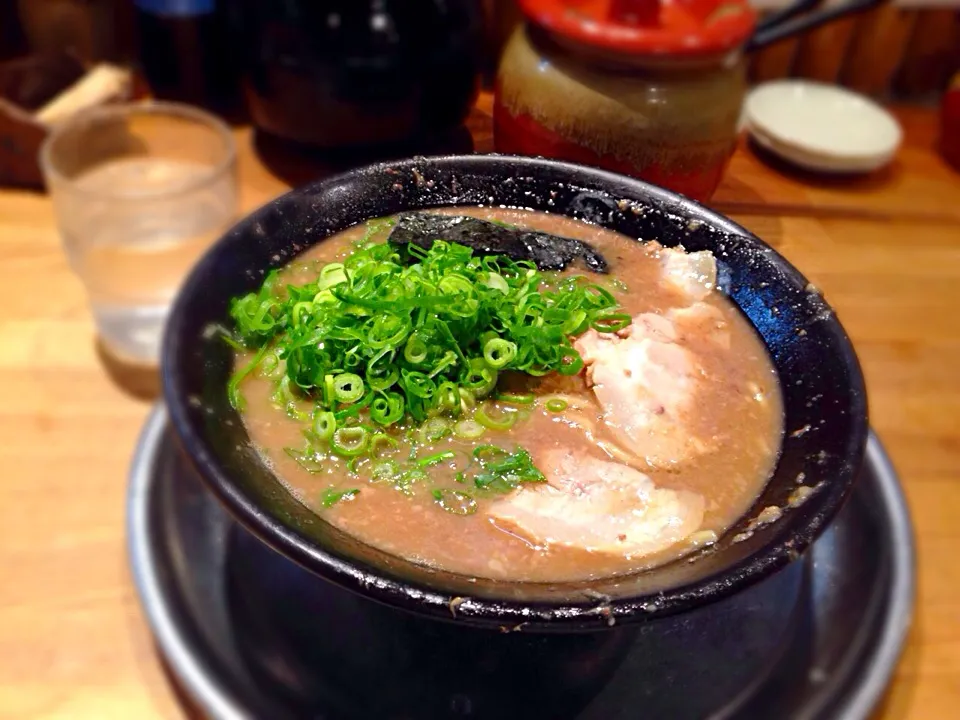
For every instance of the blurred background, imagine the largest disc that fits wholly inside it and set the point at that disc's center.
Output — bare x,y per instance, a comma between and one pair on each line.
354,79
335,84
906,49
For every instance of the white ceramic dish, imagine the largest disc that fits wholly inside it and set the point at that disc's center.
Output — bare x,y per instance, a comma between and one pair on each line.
821,127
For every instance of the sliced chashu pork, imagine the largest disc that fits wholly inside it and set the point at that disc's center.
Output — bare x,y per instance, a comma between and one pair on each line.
598,506
648,381
693,275
648,378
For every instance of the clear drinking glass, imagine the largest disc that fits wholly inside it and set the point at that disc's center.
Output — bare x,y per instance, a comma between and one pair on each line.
140,191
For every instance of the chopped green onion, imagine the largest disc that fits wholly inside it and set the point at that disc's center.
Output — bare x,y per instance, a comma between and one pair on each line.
495,281
501,471
307,460
350,441
381,373
455,501
498,352
435,458
270,365
556,405
387,331
324,424
448,397
481,379
391,334
598,297
418,384
468,429
612,322
383,382
505,421
229,339
300,310
387,409
572,363
455,285
468,400
493,482
233,386
352,411
448,360
434,429
377,439
284,397
386,470
517,398
574,323
325,297
406,479
330,275
347,388
416,350
485,453
332,497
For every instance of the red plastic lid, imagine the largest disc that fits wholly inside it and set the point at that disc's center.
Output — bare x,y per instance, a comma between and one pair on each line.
647,27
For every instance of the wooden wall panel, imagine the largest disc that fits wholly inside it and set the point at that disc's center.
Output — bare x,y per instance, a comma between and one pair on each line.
773,62
822,51
910,53
876,48
931,54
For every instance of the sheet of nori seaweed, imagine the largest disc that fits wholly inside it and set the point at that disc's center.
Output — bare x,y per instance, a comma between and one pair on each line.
549,252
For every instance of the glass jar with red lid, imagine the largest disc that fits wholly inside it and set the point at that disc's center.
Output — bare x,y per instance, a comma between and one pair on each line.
647,88
650,88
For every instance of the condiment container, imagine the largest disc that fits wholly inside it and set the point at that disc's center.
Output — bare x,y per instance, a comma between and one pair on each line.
649,88
37,92
950,123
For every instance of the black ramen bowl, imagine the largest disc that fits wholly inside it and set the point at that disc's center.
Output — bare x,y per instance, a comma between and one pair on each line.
822,386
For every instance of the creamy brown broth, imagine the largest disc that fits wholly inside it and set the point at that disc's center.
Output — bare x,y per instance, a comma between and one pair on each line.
740,413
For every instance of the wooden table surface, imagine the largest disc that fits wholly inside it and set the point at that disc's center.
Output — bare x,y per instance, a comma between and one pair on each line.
73,641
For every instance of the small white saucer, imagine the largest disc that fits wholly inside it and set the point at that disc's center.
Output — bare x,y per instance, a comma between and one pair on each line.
821,127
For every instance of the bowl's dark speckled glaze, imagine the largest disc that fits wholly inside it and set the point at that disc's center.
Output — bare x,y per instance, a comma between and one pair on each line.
826,422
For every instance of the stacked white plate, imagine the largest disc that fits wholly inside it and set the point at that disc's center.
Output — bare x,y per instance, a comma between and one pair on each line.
821,127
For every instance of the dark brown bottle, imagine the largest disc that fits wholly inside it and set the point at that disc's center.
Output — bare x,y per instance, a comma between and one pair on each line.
12,41
185,53
357,73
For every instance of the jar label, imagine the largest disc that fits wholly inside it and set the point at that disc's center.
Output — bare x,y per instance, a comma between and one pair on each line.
176,8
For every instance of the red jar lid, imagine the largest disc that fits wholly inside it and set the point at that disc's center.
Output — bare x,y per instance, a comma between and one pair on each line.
647,27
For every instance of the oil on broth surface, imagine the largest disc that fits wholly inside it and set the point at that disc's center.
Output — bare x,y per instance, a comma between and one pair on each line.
738,415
